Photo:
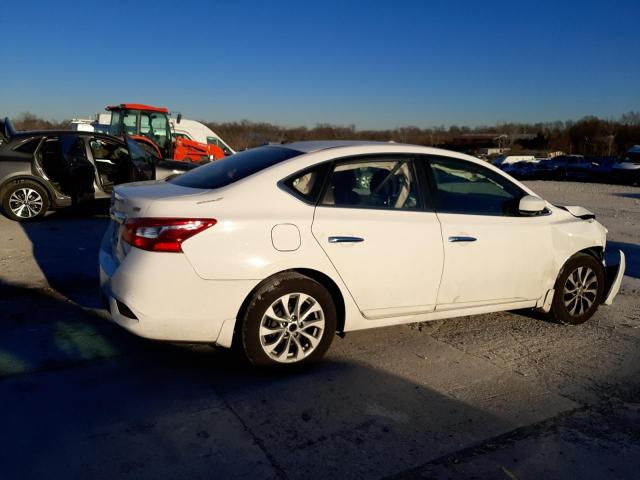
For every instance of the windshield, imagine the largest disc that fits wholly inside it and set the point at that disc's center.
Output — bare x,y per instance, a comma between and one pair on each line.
236,167
219,143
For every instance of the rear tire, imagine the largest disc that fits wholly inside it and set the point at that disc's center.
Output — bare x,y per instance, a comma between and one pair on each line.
25,201
579,290
290,320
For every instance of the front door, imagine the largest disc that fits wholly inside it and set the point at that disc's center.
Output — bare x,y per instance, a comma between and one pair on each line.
386,246
493,254
142,163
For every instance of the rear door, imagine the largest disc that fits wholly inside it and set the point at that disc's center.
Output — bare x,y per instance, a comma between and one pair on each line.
78,180
376,228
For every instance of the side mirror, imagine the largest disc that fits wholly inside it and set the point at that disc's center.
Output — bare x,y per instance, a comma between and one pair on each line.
530,205
178,118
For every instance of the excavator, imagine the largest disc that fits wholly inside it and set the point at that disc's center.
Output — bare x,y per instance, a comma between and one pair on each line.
150,126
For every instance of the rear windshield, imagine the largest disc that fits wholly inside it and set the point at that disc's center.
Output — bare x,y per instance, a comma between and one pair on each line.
236,167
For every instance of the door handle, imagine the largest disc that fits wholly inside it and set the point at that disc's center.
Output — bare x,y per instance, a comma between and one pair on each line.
462,239
339,239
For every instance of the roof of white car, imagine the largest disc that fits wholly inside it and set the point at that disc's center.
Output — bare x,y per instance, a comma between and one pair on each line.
314,146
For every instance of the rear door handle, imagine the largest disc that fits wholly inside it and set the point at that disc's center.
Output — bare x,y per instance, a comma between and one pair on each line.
462,239
340,239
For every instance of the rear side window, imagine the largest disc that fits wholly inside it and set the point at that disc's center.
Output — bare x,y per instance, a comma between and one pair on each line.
235,167
306,185
28,147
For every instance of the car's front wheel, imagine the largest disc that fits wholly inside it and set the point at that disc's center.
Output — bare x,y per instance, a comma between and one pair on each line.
24,200
291,319
578,290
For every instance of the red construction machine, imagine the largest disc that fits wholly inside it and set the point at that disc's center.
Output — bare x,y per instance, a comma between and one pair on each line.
150,127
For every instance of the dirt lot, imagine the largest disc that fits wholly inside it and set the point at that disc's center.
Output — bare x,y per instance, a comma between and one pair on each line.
493,396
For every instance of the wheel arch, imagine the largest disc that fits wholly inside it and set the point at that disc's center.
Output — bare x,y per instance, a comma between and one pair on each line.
6,182
323,279
333,289
595,251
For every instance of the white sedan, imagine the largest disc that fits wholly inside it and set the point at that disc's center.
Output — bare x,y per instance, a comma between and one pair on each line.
278,248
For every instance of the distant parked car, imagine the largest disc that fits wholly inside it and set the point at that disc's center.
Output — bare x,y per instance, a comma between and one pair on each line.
578,167
278,248
523,170
601,168
526,170
510,168
548,169
627,170
54,169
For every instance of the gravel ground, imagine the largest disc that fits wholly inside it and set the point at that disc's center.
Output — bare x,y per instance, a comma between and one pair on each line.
596,365
505,395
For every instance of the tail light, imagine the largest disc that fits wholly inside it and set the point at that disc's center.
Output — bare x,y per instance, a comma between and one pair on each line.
163,234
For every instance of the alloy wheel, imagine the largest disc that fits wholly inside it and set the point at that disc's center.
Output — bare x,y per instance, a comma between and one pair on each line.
292,327
580,291
26,203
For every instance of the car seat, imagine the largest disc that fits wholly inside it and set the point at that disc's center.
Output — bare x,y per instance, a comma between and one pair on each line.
343,184
381,188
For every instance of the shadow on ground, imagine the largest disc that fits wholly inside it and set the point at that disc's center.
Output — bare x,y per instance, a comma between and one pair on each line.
65,245
628,195
631,253
152,410
140,409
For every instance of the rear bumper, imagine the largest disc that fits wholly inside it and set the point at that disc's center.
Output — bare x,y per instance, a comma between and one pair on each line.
614,279
159,296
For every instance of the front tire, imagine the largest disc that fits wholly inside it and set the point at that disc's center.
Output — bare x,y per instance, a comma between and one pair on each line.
291,319
25,201
578,290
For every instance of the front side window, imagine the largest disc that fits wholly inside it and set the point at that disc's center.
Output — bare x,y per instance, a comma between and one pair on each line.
373,183
464,187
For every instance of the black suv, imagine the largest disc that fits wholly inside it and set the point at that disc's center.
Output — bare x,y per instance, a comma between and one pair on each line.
55,169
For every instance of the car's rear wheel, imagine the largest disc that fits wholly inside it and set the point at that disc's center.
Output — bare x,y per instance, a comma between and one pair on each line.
25,201
291,319
578,290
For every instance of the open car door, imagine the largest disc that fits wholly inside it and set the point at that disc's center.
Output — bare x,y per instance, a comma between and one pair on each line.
79,172
143,163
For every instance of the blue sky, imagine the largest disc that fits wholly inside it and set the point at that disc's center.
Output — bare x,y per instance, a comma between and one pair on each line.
372,64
